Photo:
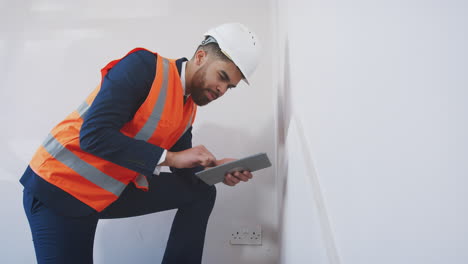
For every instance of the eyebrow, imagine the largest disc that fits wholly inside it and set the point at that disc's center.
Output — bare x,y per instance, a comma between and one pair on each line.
226,77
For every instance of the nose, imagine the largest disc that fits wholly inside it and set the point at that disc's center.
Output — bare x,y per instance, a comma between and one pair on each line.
222,88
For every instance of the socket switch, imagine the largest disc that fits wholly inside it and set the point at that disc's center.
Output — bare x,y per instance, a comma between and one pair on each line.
247,236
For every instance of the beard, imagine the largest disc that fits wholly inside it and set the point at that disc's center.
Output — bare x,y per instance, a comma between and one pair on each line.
198,90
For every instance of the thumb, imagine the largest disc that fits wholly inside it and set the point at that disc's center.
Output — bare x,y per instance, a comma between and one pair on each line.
223,161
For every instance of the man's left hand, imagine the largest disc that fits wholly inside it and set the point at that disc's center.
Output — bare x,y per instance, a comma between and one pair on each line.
231,179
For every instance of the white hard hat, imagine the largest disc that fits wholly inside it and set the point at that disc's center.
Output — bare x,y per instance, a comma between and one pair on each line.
239,44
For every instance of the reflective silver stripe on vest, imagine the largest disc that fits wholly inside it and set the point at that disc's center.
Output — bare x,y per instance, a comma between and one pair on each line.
62,154
142,181
82,109
150,125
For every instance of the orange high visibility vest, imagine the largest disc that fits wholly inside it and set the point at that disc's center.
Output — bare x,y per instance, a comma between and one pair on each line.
161,120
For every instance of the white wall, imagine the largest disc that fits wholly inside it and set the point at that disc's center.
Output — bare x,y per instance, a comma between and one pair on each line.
380,88
51,52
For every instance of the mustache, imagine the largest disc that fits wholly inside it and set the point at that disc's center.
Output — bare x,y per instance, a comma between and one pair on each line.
216,93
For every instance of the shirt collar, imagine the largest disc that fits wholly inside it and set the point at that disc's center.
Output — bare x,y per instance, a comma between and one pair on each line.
182,75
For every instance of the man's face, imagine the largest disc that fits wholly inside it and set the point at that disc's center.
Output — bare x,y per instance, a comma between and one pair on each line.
213,79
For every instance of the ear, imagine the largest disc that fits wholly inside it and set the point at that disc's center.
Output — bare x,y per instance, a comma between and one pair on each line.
200,57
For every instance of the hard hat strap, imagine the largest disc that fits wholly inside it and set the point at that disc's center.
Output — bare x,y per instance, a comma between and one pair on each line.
208,39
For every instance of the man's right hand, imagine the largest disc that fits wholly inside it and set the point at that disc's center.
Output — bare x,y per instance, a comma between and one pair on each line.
189,158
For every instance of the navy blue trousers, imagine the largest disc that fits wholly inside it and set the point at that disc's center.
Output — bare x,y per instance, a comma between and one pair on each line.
63,239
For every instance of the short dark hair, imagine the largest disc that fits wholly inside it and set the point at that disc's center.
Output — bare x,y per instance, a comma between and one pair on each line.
214,49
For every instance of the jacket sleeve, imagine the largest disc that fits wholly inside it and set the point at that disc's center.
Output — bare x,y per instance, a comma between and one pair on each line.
123,90
185,142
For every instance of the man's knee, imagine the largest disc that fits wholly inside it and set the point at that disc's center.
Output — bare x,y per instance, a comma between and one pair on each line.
209,195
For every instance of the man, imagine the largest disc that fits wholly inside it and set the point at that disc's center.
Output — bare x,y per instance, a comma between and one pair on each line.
103,160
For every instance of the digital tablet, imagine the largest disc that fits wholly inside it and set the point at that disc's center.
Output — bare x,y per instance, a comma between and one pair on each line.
252,163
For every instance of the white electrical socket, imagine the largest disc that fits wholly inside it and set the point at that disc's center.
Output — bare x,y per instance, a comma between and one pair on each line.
247,236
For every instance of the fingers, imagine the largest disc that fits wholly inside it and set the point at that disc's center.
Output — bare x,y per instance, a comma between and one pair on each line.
247,174
225,160
207,159
241,176
228,182
232,179
190,158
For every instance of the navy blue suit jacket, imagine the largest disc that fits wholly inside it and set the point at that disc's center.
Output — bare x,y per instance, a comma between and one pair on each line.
123,90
